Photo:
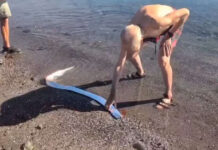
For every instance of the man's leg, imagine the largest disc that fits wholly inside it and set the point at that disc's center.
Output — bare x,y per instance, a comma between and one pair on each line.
133,53
164,62
131,44
136,61
5,32
5,37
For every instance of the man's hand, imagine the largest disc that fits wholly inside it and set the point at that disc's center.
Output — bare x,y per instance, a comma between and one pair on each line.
110,100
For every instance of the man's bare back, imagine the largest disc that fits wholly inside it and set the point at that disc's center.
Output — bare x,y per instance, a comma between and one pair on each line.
149,19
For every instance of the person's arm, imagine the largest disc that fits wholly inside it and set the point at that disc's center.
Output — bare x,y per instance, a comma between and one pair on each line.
178,17
115,80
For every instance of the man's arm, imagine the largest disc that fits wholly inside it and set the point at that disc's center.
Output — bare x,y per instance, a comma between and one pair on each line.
177,18
115,80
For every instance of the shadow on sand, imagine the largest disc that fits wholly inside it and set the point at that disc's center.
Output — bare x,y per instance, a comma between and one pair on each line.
102,83
25,107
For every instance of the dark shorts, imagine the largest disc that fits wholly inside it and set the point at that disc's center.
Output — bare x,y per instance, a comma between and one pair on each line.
174,39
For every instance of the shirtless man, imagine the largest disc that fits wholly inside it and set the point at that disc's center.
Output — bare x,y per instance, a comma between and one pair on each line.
150,22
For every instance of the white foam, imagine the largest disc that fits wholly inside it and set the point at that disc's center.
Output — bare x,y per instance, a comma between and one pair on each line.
55,75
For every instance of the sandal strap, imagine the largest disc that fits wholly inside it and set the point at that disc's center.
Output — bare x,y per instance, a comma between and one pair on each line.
167,100
135,75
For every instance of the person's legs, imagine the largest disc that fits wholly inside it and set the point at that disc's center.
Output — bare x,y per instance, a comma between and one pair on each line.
136,61
5,13
5,32
133,52
5,38
130,45
165,53
167,73
164,62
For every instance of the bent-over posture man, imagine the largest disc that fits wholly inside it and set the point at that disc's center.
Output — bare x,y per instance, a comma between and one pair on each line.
148,24
5,13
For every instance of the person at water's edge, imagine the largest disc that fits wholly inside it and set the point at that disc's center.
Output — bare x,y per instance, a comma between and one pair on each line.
5,13
149,23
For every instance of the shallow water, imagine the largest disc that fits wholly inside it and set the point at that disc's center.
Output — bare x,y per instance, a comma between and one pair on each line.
103,20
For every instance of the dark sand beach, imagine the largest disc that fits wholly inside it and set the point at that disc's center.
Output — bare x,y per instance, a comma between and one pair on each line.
85,35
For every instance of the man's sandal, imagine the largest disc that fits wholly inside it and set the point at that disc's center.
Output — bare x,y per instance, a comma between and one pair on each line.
11,50
135,75
165,103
